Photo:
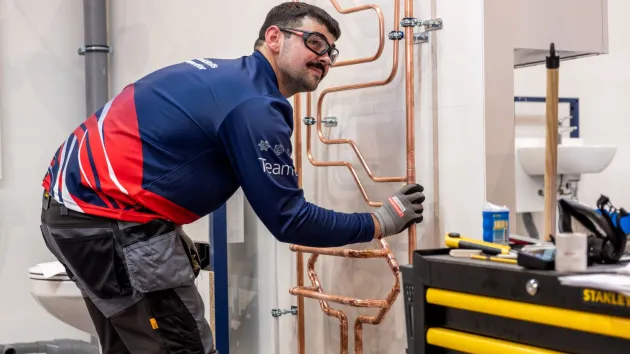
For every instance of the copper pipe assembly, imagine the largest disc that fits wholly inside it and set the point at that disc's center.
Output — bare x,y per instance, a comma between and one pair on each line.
315,291
320,103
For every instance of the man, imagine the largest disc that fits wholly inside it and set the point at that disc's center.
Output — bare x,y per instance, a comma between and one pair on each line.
171,148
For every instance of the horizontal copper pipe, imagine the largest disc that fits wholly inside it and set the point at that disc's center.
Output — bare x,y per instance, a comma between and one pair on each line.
338,298
381,30
349,253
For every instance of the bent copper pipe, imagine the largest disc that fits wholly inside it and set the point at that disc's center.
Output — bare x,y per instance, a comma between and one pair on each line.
391,297
347,164
352,144
381,30
309,154
316,163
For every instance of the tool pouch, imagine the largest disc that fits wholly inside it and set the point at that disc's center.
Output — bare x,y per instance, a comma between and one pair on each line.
191,250
156,256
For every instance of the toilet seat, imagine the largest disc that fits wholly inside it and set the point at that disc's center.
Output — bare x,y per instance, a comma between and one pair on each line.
58,295
37,272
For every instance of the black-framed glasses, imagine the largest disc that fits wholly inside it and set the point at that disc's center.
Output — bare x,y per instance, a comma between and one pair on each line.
316,42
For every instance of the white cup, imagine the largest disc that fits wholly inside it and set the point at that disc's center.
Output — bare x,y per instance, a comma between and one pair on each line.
571,252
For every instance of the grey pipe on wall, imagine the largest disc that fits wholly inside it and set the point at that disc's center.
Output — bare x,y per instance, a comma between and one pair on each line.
59,346
95,51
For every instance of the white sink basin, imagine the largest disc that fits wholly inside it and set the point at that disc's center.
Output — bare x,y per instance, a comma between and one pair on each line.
574,158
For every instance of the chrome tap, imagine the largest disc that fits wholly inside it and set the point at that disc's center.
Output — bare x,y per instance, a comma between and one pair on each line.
564,129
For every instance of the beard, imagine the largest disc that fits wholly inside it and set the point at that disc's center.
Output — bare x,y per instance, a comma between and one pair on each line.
303,79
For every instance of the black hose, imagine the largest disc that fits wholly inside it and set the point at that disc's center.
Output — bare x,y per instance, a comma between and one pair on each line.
530,226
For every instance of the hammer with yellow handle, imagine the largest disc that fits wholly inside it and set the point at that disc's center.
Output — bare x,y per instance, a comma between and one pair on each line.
455,240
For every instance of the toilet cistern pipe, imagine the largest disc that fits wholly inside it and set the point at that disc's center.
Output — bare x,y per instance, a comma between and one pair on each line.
95,51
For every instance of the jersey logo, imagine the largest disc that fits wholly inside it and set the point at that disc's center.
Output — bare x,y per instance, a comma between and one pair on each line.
264,145
278,149
276,168
199,66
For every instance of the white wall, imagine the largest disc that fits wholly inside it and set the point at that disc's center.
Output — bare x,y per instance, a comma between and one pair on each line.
41,101
602,84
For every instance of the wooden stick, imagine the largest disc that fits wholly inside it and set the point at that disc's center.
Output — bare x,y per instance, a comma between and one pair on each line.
551,147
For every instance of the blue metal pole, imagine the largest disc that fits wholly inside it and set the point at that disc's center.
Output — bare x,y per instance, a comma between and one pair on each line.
219,261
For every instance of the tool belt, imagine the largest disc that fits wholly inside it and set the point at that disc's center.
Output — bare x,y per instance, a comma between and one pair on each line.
111,258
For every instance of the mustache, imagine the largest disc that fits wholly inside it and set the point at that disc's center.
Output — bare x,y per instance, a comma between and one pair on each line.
317,65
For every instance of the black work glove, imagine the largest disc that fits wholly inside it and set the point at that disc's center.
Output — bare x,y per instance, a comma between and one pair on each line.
401,210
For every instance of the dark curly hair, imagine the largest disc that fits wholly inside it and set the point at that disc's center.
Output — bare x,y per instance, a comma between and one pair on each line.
291,14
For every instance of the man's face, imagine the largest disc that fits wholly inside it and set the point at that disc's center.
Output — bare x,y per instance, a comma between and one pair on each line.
303,68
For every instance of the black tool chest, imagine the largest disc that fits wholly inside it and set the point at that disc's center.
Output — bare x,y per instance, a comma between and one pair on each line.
456,305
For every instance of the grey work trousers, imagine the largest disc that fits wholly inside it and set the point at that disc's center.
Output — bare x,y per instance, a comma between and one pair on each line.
137,280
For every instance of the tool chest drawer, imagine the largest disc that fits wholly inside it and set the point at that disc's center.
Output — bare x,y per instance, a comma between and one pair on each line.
466,305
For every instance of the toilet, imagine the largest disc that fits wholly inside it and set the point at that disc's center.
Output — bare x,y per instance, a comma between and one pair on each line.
59,296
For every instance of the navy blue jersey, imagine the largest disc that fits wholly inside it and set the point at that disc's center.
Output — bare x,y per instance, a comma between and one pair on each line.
177,143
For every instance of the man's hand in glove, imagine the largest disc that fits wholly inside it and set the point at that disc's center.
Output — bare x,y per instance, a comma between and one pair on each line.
400,211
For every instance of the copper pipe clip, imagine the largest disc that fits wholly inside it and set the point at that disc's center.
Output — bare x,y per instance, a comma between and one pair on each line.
420,37
396,35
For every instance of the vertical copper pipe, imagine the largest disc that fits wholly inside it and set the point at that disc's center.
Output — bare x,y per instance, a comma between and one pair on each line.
297,150
358,334
297,129
410,110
